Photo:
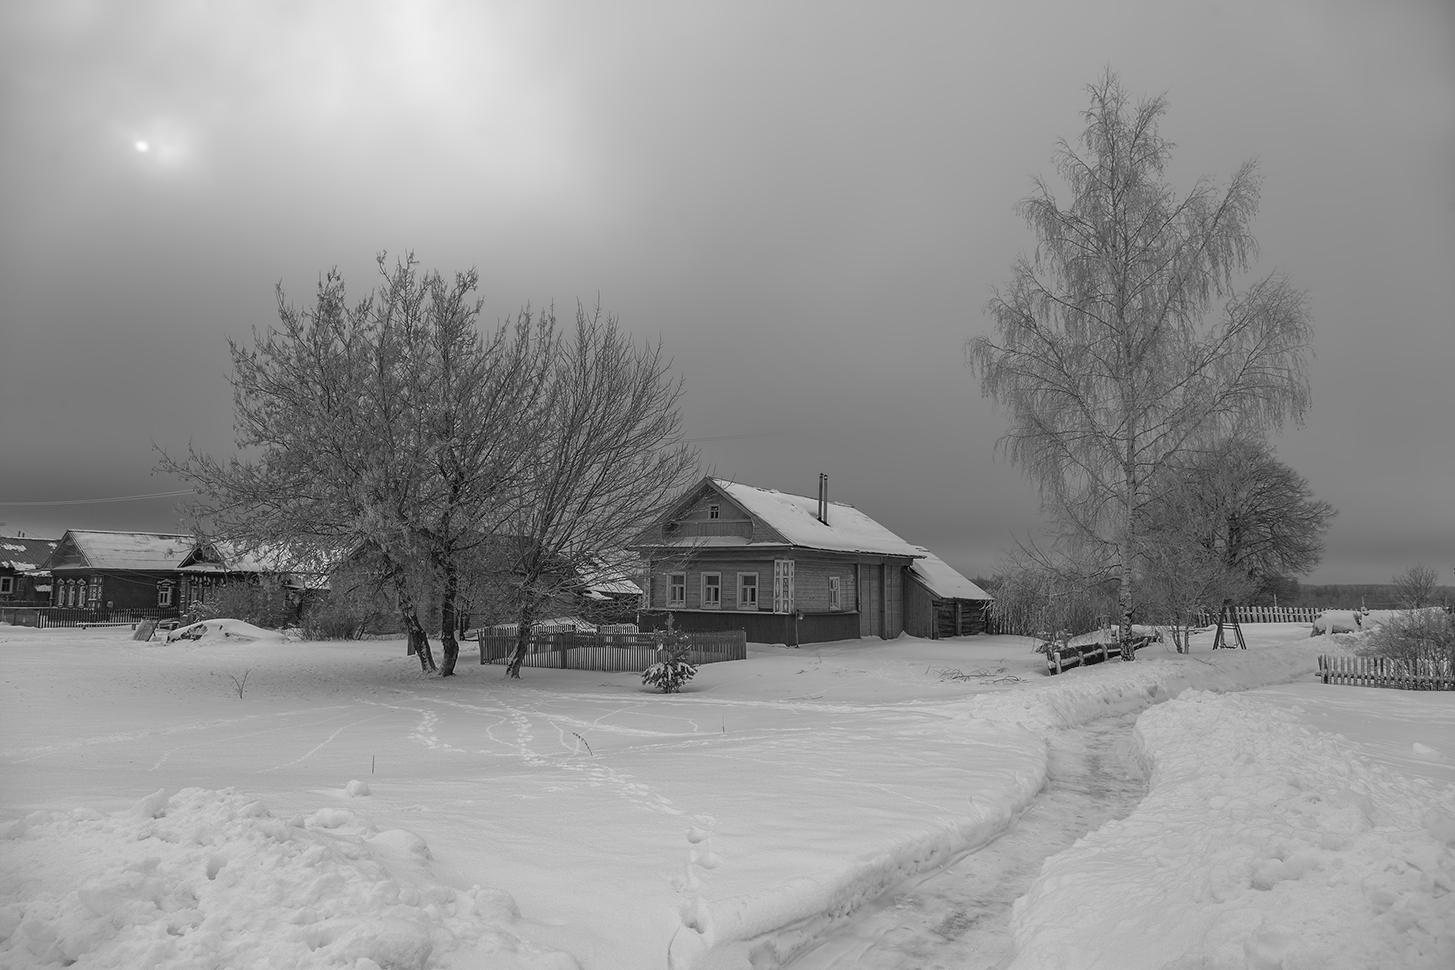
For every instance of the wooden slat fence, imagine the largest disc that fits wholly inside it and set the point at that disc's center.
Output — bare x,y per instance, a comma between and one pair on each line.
1387,672
49,616
611,651
1268,614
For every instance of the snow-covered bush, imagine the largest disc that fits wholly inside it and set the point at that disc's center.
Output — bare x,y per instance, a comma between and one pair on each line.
264,603
1427,634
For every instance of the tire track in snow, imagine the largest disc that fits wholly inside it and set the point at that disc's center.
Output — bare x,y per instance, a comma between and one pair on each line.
320,745
166,755
23,755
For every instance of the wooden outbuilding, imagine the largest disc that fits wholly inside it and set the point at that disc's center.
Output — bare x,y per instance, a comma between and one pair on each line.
942,603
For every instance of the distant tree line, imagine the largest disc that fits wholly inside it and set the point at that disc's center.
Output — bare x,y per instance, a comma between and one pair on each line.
434,465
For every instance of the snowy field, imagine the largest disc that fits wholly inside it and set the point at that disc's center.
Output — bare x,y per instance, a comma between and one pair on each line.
346,812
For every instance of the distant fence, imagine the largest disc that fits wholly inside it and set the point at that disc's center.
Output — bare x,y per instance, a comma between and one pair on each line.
1387,672
611,651
48,616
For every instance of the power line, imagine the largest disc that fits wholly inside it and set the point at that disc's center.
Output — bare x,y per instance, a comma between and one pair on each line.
114,498
725,437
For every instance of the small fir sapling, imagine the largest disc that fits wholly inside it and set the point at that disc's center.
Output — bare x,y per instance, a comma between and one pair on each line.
672,669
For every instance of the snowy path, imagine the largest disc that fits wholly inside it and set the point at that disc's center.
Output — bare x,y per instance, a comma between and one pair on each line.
959,916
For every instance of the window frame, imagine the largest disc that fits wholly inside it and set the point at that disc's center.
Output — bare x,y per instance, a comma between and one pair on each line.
753,607
164,593
835,595
714,511
711,604
7,585
673,585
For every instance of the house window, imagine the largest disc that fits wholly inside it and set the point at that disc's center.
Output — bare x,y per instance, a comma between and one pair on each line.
7,584
783,586
95,602
78,594
164,593
834,593
747,591
676,589
712,591
713,511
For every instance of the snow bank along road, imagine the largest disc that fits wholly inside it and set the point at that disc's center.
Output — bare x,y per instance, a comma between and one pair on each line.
346,812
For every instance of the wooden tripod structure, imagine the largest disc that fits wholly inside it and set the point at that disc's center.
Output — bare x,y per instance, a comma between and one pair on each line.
1229,615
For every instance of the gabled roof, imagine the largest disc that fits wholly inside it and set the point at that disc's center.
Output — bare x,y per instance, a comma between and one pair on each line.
782,519
24,554
795,517
121,550
942,579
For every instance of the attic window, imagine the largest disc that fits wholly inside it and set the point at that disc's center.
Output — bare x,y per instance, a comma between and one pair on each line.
713,511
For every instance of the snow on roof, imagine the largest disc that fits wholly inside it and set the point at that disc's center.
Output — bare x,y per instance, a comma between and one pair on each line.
795,517
943,579
132,550
610,575
24,554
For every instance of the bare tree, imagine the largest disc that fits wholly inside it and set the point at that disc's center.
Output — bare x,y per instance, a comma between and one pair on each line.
389,432
1103,355
609,456
1417,587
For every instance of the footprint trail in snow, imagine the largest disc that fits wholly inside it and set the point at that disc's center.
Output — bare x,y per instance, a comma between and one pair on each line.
959,916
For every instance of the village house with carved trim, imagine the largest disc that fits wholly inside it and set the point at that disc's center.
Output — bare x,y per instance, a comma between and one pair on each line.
142,570
783,568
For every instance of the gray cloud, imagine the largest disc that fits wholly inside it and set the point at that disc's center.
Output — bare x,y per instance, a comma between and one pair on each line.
808,203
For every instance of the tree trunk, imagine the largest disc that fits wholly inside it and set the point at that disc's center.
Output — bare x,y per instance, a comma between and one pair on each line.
449,619
418,638
1125,544
522,640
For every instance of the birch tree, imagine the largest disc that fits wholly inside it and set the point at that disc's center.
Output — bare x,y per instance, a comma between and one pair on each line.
1121,343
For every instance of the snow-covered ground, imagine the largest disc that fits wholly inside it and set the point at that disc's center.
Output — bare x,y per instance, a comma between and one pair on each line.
239,804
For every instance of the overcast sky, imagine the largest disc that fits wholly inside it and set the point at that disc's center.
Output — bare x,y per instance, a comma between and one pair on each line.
808,202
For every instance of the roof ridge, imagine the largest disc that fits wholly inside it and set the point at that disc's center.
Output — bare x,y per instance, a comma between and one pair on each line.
130,532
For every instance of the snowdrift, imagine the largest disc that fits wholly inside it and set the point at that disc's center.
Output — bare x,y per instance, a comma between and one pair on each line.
210,879
208,631
1260,844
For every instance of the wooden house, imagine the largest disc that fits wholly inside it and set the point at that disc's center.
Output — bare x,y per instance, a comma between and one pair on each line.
22,580
144,570
117,570
939,602
783,568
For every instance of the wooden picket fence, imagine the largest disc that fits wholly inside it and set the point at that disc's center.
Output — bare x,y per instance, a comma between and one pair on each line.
59,616
611,651
1387,672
